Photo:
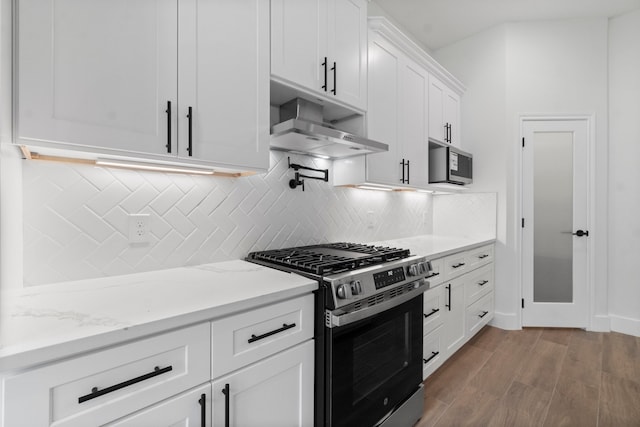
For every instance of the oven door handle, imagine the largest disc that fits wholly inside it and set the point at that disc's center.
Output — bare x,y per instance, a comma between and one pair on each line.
333,320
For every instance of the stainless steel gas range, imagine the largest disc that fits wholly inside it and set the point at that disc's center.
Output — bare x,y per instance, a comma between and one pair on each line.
368,330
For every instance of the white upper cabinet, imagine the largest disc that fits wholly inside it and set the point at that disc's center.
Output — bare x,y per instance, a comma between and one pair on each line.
397,116
444,113
320,46
97,73
119,76
224,78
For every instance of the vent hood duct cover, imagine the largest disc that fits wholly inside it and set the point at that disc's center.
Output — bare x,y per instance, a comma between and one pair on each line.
302,130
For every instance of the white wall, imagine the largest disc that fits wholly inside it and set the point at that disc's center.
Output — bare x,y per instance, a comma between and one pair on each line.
624,172
556,67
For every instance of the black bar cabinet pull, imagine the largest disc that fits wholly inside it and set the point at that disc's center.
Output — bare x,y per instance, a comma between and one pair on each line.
97,393
484,282
402,163
449,291
268,334
168,111
433,354
190,117
433,275
324,64
484,313
203,409
335,70
450,133
460,264
433,311
483,256
226,393
408,169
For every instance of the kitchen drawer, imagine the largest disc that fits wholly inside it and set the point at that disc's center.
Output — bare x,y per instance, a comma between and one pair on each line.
433,308
436,276
479,283
432,351
106,385
479,256
479,314
247,337
454,265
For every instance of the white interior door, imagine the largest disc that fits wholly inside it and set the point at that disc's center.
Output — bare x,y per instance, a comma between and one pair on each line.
555,223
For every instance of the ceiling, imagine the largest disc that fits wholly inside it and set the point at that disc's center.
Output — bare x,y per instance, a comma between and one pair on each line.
438,23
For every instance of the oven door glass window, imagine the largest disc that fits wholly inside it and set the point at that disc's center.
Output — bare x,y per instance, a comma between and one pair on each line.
375,364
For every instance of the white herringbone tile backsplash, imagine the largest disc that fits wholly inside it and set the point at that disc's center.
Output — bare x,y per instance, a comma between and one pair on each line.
76,223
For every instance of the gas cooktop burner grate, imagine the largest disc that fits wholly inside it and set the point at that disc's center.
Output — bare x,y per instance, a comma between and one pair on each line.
329,258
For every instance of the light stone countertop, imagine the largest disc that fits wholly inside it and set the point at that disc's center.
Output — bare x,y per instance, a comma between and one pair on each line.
50,322
434,246
45,323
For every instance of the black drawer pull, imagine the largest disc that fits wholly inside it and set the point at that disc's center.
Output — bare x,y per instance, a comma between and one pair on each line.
268,334
433,354
458,265
483,256
97,393
433,275
484,282
484,313
433,311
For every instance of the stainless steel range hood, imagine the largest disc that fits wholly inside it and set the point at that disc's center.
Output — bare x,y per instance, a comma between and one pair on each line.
302,130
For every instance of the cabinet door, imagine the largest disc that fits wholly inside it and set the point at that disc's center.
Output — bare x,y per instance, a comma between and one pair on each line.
96,73
383,114
226,84
298,41
274,392
347,51
454,319
414,124
437,94
188,409
452,116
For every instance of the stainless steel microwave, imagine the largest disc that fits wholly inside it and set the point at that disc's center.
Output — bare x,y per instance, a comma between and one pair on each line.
449,165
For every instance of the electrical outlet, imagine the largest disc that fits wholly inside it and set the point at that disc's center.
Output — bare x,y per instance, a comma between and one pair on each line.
138,228
371,219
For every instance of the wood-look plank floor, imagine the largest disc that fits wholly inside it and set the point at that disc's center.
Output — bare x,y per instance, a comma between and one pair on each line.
537,377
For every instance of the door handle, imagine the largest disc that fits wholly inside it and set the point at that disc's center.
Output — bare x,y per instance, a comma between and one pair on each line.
578,233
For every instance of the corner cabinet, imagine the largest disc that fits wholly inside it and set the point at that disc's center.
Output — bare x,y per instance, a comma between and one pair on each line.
399,112
320,46
240,370
458,303
165,86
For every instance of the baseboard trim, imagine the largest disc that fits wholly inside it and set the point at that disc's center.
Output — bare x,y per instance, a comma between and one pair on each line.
625,325
508,321
600,323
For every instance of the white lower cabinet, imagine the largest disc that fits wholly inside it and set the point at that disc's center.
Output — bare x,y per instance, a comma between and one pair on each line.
277,391
264,355
458,305
188,409
454,321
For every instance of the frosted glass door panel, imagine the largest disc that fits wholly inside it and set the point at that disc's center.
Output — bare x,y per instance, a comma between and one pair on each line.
553,217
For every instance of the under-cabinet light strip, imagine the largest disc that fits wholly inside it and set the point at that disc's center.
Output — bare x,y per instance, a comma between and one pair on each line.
151,167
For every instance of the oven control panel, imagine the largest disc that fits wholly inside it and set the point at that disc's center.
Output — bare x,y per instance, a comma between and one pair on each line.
389,277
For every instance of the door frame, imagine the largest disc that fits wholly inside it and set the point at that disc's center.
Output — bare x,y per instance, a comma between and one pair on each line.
591,206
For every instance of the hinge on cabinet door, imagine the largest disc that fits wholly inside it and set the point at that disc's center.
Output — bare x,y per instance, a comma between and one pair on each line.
522,302
522,222
523,142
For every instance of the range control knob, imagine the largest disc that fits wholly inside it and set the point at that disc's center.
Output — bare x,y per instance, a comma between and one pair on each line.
344,291
425,267
356,287
413,270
